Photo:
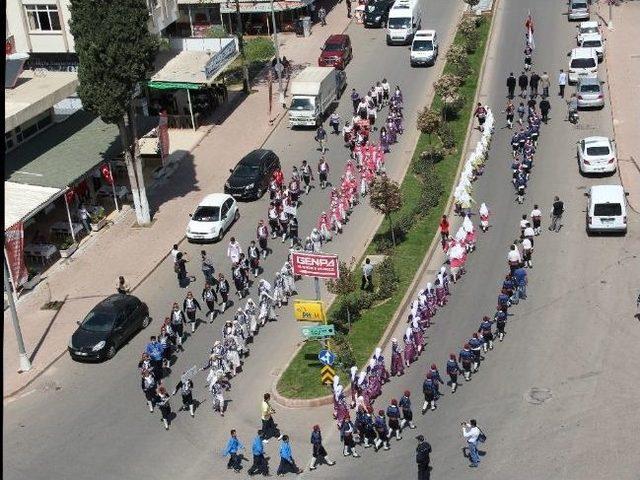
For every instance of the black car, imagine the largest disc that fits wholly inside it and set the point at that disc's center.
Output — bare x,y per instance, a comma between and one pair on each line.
376,12
250,179
107,327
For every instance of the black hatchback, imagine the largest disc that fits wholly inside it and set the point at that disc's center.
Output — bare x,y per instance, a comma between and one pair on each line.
250,178
107,327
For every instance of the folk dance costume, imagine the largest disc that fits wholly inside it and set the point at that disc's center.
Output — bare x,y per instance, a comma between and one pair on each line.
266,311
363,394
501,321
240,338
324,227
441,294
353,377
186,389
164,405
465,357
278,290
393,416
347,432
318,453
286,272
165,340
429,391
397,363
272,215
469,229
437,379
443,276
382,432
210,298
223,290
190,305
251,312
407,412
232,354
379,359
453,370
476,347
487,333
316,238
431,299
233,252
148,385
483,211
217,397
374,380
409,347
340,405
253,254
178,319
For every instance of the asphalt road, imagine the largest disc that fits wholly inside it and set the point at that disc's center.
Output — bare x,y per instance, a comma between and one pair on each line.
82,421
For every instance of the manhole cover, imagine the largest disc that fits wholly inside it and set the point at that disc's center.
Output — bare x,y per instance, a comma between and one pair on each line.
537,396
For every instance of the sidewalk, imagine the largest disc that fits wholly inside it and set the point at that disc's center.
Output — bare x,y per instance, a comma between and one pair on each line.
623,71
125,249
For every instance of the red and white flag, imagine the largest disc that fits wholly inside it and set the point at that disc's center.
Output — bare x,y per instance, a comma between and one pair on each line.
529,27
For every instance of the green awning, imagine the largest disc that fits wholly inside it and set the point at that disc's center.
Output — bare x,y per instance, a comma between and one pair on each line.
173,85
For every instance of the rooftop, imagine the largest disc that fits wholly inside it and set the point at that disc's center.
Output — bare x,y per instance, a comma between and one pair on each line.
35,94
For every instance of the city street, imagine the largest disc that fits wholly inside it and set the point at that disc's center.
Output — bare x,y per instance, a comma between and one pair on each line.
557,399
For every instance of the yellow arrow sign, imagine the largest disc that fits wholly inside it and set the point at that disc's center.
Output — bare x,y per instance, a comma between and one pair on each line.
327,373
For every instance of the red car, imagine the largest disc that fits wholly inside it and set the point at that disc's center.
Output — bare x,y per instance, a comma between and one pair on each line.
336,52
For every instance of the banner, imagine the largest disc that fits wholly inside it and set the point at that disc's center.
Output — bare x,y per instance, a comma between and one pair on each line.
14,246
315,264
105,170
309,311
529,27
163,136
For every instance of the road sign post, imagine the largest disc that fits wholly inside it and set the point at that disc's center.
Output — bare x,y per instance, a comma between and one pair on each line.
326,374
327,357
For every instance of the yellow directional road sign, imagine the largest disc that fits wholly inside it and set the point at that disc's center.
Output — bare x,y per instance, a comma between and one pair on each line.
327,373
309,310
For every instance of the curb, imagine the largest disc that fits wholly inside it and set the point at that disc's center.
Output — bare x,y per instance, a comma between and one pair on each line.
386,336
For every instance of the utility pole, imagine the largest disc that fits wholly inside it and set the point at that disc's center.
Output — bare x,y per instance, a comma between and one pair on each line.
245,69
275,43
25,363
610,23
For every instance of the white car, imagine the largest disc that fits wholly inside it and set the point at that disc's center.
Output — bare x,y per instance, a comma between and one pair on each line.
582,62
597,155
585,28
595,41
213,216
606,209
424,48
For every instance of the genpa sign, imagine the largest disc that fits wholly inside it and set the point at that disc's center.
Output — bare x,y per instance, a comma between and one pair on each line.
319,265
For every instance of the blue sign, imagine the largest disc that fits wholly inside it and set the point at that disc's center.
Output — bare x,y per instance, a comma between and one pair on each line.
327,357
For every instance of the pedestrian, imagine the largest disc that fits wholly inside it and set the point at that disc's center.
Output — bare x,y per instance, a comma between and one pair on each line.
423,451
122,287
355,100
318,453
321,138
175,252
393,415
484,217
164,405
471,432
223,290
259,462
323,172
556,214
269,428
520,275
287,463
253,255
545,106
527,251
322,16
481,114
429,391
514,259
476,349
407,411
85,218
207,267
148,384
190,305
562,82
501,322
444,231
453,370
294,231
382,432
367,276
523,82
485,330
186,390
307,176
347,429
511,85
180,268
465,357
334,121
178,319
233,447
545,84
534,81
155,350
234,250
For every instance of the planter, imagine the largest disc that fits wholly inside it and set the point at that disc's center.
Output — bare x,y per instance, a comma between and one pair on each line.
32,282
99,224
66,253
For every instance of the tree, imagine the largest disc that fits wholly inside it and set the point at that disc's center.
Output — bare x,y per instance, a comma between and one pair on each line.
428,121
386,198
447,87
346,283
116,53
457,56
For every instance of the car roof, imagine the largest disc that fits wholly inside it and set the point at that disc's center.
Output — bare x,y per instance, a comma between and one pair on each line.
583,52
336,37
114,302
589,24
591,36
578,1
214,200
589,79
606,193
255,157
595,140
424,34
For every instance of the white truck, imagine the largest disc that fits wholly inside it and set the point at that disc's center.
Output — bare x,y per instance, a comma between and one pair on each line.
314,90
405,18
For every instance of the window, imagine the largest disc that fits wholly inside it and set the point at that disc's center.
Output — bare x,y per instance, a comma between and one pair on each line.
8,141
607,210
43,18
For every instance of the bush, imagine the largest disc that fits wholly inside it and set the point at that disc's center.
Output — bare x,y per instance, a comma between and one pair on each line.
382,244
433,154
447,137
428,121
346,282
340,345
462,67
259,49
387,279
472,41
431,192
217,31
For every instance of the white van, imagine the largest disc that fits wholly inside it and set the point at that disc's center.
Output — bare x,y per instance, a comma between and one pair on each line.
404,21
606,209
583,61
424,48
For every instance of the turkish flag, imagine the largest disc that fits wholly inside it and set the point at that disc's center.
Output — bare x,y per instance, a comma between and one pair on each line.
106,173
69,195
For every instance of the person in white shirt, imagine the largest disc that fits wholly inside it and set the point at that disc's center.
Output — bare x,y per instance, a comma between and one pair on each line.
529,233
562,82
175,252
536,218
514,258
234,250
527,250
471,432
524,223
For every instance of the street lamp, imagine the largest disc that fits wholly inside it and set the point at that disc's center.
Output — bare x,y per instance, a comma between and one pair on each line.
25,363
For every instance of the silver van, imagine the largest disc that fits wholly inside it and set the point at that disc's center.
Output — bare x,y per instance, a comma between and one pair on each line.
578,10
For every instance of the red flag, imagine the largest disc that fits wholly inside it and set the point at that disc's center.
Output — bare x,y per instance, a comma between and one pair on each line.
14,245
106,173
69,195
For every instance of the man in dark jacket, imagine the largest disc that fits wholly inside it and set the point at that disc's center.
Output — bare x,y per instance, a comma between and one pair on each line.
533,84
523,83
545,106
511,85
422,458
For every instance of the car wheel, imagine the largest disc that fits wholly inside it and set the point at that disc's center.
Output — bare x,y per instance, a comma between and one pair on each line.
220,234
146,321
111,352
236,217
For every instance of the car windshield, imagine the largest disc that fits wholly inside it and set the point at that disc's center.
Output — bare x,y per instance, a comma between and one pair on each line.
598,151
207,214
589,88
332,47
583,63
592,43
246,171
422,45
607,209
399,22
98,321
301,104
578,5
589,30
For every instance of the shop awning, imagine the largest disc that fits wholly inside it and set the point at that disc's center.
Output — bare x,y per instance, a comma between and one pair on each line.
173,85
262,6
21,201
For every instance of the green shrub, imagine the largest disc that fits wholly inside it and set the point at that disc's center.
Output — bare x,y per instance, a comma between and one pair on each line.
446,135
462,67
472,41
345,358
430,156
387,278
217,31
259,49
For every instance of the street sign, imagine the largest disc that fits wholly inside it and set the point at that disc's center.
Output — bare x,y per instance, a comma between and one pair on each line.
309,311
327,357
319,265
326,374
321,331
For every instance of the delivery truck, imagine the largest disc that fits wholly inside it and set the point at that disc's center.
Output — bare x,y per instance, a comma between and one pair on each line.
313,91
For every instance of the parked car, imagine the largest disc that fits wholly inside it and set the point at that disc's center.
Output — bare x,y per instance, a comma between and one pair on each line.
596,155
582,62
107,327
579,10
213,216
424,48
585,28
595,41
376,12
250,177
590,93
336,52
606,209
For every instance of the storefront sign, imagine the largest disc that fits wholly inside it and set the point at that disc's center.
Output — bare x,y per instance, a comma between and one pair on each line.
218,59
318,265
14,246
309,311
